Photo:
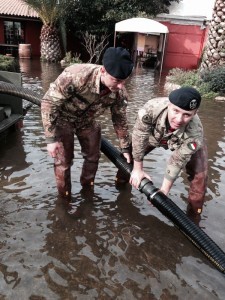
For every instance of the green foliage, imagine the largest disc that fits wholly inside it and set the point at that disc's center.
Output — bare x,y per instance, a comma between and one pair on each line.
209,84
101,15
215,78
182,77
51,11
120,9
8,63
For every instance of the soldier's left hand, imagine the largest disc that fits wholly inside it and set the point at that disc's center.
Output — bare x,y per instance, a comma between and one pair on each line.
128,157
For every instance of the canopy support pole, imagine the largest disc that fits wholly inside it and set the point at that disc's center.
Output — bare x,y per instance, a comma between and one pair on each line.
115,39
163,52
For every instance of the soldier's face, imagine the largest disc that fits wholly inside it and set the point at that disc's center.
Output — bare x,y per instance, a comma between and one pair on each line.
178,117
112,83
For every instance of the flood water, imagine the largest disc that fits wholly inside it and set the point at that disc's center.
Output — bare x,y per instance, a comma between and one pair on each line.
121,247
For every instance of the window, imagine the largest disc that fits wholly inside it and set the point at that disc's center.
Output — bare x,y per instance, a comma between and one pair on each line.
13,32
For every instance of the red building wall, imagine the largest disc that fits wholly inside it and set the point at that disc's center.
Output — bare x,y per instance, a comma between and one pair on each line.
184,46
1,32
32,36
32,30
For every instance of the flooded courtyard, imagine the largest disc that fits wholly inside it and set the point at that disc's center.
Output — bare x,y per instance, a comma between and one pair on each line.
121,247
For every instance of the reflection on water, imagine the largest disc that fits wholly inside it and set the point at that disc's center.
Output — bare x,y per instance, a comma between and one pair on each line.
121,247
35,69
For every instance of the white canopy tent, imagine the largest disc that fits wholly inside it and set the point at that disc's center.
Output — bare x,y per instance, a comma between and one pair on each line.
143,25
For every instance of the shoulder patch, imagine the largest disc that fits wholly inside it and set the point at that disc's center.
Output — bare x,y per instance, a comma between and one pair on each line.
192,145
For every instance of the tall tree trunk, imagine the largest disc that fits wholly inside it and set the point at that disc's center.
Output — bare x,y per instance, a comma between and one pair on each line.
50,44
214,53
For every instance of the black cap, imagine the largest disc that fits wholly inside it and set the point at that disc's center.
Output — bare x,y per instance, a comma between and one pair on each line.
117,62
187,98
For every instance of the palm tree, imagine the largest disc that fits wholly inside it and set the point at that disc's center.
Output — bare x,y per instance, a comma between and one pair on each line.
214,52
51,13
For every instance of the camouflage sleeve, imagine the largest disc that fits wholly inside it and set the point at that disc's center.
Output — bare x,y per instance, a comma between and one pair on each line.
119,120
181,156
140,136
60,90
49,118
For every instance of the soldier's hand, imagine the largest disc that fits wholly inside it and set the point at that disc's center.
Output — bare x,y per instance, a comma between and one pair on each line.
128,157
166,186
53,149
136,177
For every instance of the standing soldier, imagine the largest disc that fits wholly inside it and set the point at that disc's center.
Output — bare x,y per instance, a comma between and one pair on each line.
173,124
80,94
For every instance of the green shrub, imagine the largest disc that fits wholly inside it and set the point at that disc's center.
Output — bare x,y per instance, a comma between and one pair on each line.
69,59
210,84
215,78
8,63
182,77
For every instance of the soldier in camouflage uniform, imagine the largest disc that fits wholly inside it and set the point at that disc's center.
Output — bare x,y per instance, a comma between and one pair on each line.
77,97
173,124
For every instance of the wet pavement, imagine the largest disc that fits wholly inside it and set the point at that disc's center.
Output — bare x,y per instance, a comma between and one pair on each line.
121,247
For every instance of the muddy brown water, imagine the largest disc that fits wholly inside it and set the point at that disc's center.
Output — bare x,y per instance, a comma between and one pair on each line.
121,247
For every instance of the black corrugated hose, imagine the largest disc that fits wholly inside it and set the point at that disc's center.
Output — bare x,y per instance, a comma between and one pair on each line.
165,205
11,89
169,209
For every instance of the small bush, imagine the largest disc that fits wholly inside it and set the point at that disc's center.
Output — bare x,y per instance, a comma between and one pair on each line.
215,78
69,59
210,84
8,63
182,77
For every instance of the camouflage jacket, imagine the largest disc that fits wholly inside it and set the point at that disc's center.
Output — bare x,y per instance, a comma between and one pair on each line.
75,97
151,129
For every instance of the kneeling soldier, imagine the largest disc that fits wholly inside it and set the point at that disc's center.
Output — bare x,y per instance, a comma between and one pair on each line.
173,123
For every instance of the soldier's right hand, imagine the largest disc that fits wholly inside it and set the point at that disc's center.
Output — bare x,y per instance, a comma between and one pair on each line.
53,149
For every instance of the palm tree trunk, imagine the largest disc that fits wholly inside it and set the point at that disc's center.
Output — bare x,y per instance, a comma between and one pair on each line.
50,44
214,53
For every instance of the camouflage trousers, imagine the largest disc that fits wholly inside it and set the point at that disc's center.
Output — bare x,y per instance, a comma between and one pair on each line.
90,142
197,172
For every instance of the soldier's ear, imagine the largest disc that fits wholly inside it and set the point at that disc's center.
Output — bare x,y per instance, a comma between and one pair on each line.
103,70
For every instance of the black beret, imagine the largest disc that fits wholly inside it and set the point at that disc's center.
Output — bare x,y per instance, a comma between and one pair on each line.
117,62
187,98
